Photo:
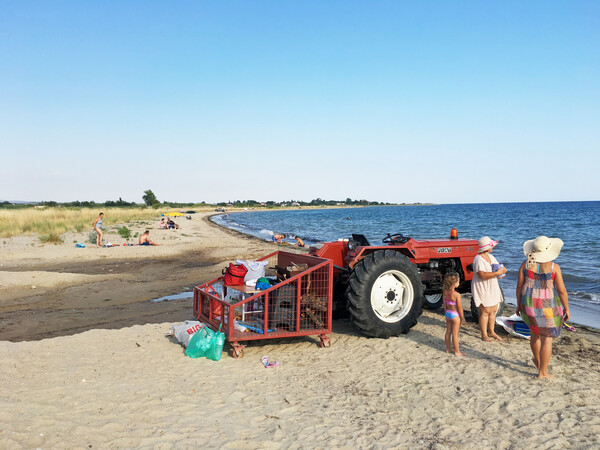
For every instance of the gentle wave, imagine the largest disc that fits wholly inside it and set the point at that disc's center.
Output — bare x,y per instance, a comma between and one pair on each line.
575,278
585,296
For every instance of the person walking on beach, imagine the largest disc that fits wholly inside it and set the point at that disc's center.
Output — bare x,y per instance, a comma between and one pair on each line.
97,227
542,299
453,311
485,288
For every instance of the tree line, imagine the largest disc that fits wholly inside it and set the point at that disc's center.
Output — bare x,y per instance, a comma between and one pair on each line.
150,199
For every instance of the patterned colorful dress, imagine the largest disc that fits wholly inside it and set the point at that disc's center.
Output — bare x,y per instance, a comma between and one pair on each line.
541,308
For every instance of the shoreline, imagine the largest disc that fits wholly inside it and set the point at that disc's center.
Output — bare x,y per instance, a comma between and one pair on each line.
112,379
585,315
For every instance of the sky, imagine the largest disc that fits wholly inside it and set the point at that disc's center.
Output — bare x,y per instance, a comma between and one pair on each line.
392,101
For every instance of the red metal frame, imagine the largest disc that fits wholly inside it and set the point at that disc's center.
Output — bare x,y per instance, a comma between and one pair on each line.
300,305
419,251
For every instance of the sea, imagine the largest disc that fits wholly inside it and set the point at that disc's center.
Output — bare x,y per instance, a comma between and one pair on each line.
576,223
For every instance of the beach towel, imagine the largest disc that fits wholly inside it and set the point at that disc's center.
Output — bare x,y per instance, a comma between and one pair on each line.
514,325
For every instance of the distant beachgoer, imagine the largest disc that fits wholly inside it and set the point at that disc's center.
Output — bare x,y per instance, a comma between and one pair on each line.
145,239
486,290
278,238
542,299
162,223
97,227
300,242
455,316
171,223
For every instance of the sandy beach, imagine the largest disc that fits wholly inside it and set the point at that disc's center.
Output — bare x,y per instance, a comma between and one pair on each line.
86,364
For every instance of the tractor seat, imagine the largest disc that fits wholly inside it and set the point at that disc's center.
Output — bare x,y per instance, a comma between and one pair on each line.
360,240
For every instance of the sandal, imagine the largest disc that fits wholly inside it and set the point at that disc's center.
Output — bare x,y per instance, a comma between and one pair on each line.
266,363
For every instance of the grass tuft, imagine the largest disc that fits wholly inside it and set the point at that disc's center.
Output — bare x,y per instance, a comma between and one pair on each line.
51,238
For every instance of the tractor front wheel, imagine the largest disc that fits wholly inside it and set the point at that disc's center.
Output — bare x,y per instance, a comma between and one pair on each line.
433,300
384,294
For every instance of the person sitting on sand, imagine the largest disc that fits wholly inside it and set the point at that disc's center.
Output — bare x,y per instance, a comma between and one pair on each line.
97,227
542,299
278,238
455,316
171,223
299,242
162,223
145,239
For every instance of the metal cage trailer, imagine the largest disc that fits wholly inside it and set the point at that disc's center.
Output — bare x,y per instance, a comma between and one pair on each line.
299,304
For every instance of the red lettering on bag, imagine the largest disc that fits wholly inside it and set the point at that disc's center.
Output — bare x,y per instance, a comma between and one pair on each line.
193,329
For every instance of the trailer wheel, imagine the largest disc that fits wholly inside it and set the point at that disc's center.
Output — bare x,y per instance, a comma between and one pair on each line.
384,294
475,309
433,300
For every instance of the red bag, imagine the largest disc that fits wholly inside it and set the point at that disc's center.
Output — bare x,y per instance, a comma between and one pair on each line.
234,275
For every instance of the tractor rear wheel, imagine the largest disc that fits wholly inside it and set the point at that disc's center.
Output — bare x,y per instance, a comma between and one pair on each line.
475,309
384,294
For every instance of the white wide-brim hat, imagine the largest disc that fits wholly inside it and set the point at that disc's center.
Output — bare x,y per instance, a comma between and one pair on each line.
542,249
485,244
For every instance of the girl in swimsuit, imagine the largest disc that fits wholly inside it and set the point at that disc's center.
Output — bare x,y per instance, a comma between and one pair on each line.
98,229
453,311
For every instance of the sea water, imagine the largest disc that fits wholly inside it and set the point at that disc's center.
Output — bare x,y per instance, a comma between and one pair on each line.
576,223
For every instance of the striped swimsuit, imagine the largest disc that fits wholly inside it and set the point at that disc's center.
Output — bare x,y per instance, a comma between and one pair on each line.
540,304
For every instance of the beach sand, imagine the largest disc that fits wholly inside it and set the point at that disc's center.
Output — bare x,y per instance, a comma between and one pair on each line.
117,385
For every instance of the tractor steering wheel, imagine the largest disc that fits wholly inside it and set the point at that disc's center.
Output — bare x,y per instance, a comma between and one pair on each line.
395,239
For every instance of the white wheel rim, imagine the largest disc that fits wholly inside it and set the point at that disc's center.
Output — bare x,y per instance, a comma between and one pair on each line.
433,298
392,296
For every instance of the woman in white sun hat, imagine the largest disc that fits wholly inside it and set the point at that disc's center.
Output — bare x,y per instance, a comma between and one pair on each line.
542,298
485,288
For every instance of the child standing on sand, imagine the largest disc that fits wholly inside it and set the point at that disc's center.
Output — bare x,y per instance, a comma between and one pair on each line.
453,312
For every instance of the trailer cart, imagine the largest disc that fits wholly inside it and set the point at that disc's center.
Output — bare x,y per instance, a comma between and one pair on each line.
299,304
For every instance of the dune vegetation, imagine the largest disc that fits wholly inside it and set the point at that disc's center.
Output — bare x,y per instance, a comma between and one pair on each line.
50,223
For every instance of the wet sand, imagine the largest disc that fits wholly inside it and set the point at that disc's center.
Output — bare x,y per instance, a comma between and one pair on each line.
48,291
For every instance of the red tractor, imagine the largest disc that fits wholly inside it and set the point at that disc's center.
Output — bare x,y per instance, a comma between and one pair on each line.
385,287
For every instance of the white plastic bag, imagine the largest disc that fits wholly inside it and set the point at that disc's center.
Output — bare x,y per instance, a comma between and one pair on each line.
184,332
256,270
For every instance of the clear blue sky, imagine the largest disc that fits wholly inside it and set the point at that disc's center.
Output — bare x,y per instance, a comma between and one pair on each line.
396,101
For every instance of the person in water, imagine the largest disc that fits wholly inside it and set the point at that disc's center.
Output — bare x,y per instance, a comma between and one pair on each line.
97,227
455,316
300,242
145,239
542,299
